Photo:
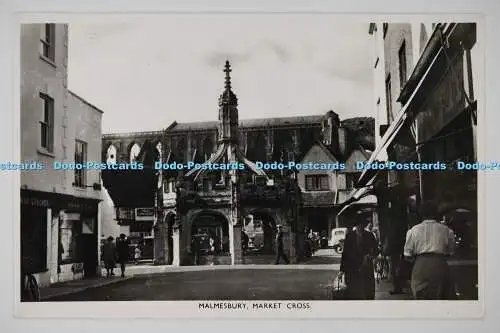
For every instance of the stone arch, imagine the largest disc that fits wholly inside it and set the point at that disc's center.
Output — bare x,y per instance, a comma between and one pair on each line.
111,152
263,230
169,221
212,223
133,151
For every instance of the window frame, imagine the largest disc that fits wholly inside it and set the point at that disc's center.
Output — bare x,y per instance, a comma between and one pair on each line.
388,98
48,42
403,64
316,184
47,123
385,26
80,180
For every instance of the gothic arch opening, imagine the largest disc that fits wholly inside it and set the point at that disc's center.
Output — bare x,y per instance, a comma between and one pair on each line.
210,233
169,224
260,228
111,154
134,152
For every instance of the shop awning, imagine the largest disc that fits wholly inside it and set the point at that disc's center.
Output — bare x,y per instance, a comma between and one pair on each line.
404,117
365,198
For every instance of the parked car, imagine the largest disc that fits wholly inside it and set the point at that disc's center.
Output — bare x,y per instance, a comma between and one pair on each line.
337,238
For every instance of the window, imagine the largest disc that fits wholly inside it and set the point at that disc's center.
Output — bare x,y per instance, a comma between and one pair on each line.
351,179
317,183
384,28
80,158
402,64
47,123
47,40
388,98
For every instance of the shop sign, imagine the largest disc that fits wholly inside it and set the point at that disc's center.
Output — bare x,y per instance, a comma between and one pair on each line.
446,101
144,214
35,202
125,213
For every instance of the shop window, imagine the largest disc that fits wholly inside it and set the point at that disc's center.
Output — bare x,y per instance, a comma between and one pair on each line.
317,183
47,41
80,159
70,229
47,123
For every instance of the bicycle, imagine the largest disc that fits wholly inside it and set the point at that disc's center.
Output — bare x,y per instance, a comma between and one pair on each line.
30,291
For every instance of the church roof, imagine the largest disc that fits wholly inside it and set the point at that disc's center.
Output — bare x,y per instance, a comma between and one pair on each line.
249,123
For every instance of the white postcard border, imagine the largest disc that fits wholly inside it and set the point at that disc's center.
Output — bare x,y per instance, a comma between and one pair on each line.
323,309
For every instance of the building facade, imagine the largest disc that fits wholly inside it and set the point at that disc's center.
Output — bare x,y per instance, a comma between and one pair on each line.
207,202
430,87
59,207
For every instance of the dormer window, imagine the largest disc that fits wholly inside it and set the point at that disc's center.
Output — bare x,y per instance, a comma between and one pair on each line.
317,183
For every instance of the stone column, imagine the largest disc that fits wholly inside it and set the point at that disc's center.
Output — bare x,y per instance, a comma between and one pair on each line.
292,253
159,249
176,261
235,244
53,246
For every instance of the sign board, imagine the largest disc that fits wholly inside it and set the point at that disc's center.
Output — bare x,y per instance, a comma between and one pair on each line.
144,214
446,101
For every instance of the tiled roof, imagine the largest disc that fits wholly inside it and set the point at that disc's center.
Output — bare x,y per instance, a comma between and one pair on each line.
245,123
281,121
318,199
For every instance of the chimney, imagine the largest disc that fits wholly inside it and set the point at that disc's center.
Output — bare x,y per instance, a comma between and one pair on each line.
329,129
342,135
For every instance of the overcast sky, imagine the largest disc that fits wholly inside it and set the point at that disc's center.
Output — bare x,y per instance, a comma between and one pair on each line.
146,74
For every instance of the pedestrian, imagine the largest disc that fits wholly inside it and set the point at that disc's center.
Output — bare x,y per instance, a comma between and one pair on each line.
109,256
280,253
195,250
244,241
393,248
356,267
428,244
137,254
122,250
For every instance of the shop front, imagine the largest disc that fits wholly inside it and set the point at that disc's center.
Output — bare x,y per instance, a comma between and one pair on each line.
59,239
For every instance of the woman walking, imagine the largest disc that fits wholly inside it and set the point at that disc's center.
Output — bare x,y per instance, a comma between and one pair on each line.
360,249
109,256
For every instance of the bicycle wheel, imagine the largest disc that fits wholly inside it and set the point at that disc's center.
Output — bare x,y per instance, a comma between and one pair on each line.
33,289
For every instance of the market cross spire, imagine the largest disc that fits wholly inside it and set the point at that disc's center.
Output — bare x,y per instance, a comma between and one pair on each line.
228,97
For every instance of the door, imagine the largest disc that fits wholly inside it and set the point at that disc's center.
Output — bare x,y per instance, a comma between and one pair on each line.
89,255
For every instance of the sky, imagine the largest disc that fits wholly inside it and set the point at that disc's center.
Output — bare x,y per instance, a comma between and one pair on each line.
145,74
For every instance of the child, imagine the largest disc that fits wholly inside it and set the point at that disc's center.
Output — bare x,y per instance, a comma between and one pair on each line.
137,255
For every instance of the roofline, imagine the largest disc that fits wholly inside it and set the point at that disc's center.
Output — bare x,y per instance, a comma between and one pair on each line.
85,101
324,148
131,134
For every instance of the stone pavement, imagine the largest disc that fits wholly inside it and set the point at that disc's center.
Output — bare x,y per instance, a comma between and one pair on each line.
72,287
382,289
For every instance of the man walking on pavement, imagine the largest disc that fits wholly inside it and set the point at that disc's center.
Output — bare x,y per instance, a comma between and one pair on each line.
280,253
122,251
429,244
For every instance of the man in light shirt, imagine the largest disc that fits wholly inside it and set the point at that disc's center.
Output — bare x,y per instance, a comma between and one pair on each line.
430,243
